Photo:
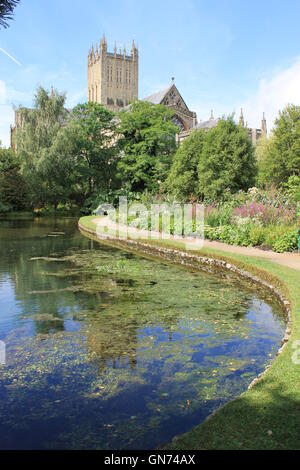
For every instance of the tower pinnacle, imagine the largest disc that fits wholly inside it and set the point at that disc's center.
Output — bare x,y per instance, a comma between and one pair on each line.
241,120
264,125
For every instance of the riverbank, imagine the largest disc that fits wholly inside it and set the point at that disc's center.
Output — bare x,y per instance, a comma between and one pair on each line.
266,416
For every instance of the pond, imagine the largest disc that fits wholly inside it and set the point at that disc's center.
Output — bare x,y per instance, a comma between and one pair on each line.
109,350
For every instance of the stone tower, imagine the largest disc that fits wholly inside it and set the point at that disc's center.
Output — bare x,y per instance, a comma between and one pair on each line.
242,120
264,126
113,77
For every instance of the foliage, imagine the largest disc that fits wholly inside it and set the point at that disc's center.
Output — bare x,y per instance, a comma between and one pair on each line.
45,173
147,144
91,130
281,156
183,177
287,242
6,11
13,194
227,161
66,158
267,214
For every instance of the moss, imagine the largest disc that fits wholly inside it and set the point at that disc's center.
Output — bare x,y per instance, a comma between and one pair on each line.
268,415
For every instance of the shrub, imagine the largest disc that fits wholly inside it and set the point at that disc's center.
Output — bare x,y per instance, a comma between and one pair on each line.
287,242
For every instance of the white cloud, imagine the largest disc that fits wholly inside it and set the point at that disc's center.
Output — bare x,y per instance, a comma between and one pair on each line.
2,92
6,119
6,116
272,95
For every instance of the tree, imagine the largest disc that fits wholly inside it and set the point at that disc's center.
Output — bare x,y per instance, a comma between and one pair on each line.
281,157
147,145
183,181
35,137
6,11
227,161
13,194
92,131
262,149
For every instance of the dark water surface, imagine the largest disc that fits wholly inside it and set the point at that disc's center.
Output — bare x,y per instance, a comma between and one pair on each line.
107,350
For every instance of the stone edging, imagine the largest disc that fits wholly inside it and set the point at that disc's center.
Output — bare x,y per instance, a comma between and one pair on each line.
207,264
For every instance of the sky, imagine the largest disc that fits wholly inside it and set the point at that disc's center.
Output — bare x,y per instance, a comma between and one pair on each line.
224,54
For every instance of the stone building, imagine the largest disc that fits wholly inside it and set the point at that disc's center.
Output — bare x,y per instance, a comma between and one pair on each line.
113,78
253,133
171,98
204,125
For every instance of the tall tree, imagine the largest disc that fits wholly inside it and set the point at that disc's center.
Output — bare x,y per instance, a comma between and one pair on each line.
147,145
91,130
35,137
280,158
183,181
227,161
6,11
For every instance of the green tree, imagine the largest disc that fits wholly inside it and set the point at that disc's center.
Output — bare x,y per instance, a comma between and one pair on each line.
227,161
6,11
35,137
91,132
281,157
147,145
13,194
262,149
183,180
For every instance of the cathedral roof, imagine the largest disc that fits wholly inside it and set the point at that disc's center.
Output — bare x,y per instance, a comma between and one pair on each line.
207,124
157,98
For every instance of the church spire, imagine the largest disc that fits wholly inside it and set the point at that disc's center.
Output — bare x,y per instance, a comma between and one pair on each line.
242,121
264,125
134,50
212,115
103,43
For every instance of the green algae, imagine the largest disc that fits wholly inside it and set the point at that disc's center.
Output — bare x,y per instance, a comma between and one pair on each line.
109,350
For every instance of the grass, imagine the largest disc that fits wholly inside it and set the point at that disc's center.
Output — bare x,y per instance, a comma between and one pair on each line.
268,415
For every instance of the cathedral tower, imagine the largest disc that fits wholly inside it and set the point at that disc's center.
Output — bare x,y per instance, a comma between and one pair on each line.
113,77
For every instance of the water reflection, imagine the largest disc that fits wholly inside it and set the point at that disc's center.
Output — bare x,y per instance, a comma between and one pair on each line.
108,350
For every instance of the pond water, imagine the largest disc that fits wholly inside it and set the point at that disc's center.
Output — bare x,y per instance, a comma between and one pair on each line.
109,350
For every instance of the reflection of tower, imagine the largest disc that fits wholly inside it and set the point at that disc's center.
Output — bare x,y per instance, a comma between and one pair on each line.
111,347
112,76
264,126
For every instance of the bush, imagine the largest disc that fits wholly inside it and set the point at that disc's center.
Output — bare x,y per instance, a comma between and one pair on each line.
287,242
5,208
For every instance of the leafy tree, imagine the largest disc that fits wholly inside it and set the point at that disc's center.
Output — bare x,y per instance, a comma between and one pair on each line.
281,157
147,145
262,149
183,181
13,194
6,11
91,130
35,137
227,161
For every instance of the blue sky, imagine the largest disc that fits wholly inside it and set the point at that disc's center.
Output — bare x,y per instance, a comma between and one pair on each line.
224,54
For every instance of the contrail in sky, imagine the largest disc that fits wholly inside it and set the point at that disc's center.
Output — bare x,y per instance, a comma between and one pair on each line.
10,56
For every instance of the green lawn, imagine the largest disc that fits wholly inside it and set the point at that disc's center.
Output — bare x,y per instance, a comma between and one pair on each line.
268,415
